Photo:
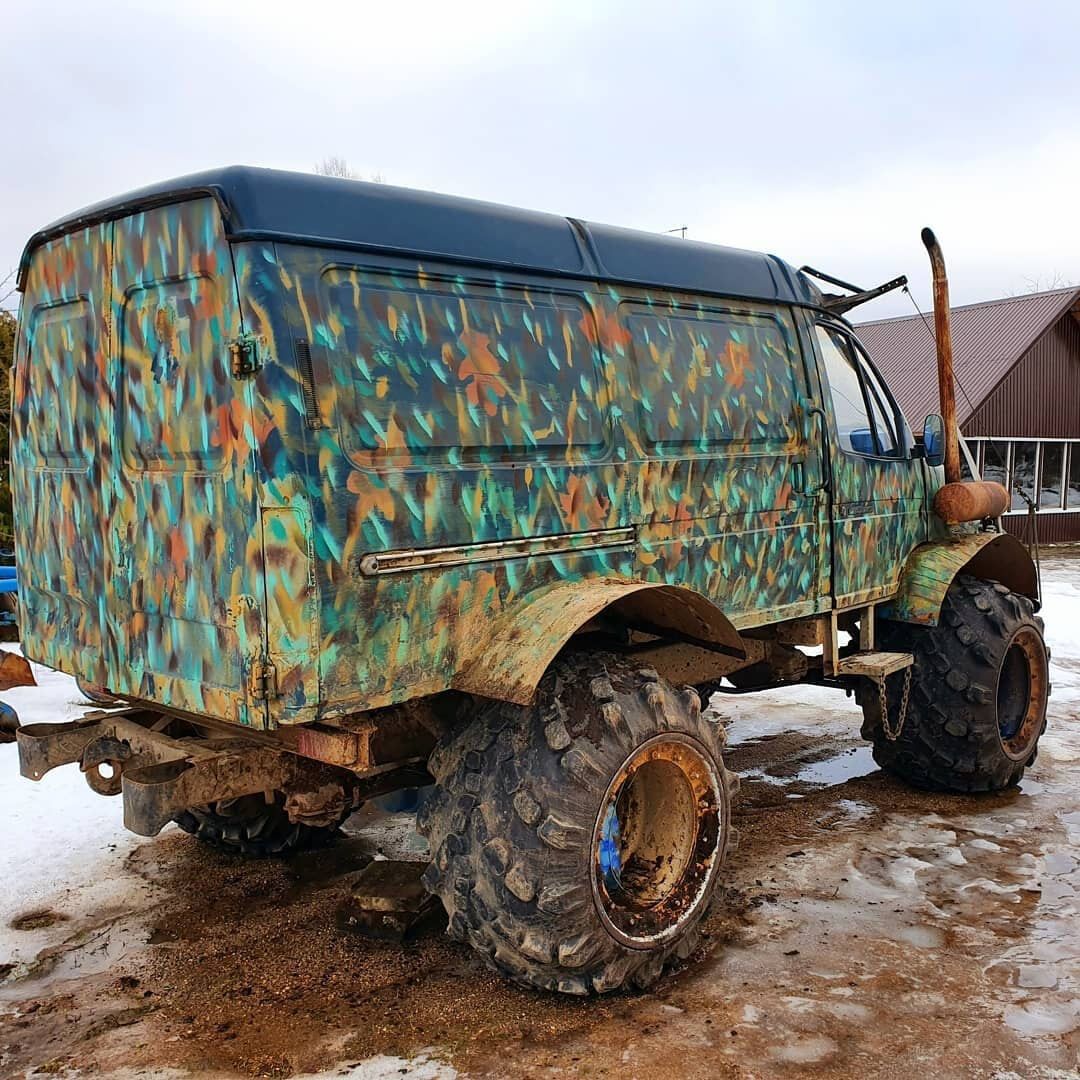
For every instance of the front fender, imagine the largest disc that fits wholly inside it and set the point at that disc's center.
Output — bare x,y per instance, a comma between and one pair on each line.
931,568
511,660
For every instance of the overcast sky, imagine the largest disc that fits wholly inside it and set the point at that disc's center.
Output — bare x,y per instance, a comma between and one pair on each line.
827,133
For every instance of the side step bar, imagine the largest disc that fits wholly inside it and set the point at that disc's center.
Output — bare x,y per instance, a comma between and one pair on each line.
874,665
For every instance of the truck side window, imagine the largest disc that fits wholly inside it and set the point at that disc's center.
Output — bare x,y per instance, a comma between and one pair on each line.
167,325
715,378
864,416
433,369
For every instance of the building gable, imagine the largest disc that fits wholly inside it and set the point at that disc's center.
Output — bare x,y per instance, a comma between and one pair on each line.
988,340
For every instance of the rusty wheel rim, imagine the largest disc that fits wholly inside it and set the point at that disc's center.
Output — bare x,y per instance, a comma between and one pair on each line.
657,841
1021,693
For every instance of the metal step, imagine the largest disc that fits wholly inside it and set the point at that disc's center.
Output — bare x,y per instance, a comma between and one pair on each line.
874,664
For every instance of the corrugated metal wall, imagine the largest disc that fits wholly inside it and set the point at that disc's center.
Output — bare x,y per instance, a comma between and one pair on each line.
1040,396
1053,528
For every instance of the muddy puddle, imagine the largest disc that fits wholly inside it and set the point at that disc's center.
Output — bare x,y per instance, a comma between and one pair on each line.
865,930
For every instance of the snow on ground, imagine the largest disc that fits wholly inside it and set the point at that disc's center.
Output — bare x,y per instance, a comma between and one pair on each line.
946,875
64,845
1061,612
382,1067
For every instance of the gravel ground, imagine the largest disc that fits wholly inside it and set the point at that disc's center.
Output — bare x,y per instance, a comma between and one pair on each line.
868,931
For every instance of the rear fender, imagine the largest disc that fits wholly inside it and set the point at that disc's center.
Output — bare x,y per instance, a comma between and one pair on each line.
509,663
931,568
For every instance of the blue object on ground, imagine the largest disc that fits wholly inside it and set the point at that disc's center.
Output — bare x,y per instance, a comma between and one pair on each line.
9,723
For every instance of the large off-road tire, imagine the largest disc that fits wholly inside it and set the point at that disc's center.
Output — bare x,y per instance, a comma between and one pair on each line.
978,695
576,843
253,826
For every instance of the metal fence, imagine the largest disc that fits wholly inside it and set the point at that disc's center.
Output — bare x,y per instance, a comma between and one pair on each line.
1047,470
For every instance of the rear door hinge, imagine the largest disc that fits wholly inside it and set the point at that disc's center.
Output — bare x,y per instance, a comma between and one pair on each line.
244,356
264,684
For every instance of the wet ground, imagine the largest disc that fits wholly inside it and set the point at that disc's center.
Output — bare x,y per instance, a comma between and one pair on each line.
867,931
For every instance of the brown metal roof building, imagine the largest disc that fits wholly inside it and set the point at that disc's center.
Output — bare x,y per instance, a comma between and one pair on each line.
1017,365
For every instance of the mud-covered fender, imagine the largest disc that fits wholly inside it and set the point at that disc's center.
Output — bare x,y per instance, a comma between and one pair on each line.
511,660
931,568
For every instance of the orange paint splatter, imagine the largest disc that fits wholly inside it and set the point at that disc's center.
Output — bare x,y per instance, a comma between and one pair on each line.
481,371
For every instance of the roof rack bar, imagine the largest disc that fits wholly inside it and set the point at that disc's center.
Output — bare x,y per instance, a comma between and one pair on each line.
838,305
829,278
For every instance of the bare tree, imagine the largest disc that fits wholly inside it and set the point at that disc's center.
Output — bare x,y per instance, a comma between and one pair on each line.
7,355
1039,284
338,166
7,289
1054,281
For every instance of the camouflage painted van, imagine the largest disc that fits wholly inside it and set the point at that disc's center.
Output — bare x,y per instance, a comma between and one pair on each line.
341,488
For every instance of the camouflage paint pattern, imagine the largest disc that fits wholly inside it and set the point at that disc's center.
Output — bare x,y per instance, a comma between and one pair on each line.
132,454
181,523
931,568
880,512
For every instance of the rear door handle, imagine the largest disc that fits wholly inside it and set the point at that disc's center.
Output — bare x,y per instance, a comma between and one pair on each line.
799,469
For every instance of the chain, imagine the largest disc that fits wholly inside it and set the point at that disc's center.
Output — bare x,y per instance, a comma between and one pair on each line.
891,733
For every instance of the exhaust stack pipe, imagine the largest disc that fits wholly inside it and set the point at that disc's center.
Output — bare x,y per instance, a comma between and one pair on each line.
943,335
958,501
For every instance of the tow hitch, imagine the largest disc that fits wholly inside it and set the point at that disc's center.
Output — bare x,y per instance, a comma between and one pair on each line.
159,775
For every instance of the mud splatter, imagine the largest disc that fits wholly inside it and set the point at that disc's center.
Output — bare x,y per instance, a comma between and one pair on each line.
37,920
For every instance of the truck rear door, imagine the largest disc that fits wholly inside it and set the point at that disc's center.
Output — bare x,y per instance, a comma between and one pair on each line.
60,404
180,478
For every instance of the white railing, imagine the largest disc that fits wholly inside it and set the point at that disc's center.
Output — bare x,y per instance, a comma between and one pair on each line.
1048,470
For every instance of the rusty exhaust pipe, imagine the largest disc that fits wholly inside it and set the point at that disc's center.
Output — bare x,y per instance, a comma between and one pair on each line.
958,501
943,336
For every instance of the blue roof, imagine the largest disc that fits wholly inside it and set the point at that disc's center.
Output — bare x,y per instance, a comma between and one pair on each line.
331,212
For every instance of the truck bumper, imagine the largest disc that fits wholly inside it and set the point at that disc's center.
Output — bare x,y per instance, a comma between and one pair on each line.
128,753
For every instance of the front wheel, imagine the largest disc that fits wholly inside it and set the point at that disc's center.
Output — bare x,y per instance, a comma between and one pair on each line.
978,694
576,844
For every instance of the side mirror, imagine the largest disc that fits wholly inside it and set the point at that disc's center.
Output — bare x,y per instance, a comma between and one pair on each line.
933,439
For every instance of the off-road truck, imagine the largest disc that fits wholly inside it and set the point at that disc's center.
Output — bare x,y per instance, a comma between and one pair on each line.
341,489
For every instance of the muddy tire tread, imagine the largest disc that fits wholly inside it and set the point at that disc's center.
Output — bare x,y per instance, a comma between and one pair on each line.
245,828
518,790
950,737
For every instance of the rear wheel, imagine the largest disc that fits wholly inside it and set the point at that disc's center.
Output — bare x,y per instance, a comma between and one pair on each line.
576,844
255,825
979,688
